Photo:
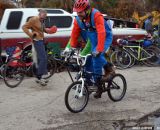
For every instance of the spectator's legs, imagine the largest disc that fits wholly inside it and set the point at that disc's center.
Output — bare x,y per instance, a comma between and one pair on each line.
42,58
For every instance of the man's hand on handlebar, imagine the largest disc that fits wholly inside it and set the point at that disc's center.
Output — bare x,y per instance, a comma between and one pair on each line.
68,50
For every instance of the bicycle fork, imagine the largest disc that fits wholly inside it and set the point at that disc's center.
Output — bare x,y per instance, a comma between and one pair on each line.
81,90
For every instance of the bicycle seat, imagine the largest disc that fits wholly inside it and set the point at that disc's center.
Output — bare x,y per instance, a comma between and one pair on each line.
122,42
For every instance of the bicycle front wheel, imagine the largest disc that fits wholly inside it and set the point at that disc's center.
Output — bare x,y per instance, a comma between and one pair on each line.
14,72
123,59
113,58
74,101
117,87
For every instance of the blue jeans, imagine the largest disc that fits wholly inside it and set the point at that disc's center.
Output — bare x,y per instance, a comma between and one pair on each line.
89,64
42,58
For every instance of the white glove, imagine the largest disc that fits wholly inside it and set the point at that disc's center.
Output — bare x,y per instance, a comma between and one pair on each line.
66,50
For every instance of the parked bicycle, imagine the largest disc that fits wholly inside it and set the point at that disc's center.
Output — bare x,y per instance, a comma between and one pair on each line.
63,62
77,94
17,68
3,62
130,51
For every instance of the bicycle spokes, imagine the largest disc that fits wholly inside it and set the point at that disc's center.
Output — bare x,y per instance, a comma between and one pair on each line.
75,102
13,74
114,85
117,87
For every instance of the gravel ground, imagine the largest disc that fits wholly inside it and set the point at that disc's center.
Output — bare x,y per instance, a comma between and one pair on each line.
32,107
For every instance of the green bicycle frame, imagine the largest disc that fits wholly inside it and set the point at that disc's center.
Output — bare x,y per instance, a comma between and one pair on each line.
139,50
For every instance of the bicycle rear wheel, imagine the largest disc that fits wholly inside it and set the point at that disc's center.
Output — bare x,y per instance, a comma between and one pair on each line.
117,87
73,101
14,72
153,60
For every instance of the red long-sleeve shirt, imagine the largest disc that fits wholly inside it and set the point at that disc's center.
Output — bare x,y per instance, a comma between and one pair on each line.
100,28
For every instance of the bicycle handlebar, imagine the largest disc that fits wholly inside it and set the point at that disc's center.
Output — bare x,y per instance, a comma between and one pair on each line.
79,58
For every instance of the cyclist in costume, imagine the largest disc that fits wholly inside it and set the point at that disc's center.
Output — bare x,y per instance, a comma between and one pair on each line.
96,29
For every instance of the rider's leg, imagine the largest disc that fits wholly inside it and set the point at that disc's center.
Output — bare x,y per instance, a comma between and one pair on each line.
108,67
98,64
97,67
108,71
89,65
89,68
99,92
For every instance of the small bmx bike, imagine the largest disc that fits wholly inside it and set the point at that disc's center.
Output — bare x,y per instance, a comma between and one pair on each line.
77,94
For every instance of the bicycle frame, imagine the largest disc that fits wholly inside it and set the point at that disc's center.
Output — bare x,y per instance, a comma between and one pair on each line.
139,51
81,93
82,73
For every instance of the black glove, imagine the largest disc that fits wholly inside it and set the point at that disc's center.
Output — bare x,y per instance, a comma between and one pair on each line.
96,54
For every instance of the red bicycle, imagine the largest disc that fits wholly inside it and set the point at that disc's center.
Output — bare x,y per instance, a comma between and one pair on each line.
16,69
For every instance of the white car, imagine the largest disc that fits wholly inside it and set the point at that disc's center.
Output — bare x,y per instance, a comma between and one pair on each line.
13,19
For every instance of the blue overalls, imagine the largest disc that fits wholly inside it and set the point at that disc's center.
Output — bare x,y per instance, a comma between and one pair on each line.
90,31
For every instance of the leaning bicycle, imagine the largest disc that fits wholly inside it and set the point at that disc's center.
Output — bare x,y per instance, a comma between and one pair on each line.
77,94
128,52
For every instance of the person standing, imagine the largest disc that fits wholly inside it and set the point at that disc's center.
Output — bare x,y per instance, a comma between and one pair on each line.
35,29
148,25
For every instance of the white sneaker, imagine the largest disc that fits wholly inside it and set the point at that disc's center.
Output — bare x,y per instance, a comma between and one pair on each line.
44,76
41,81
45,80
